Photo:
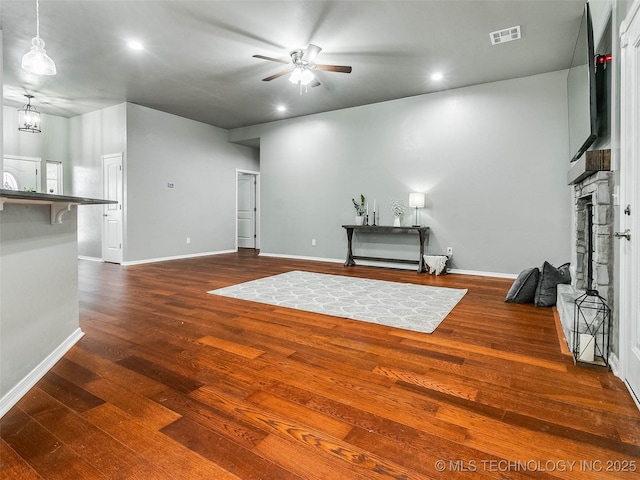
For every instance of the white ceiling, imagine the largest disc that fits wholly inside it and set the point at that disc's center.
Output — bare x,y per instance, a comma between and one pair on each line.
198,63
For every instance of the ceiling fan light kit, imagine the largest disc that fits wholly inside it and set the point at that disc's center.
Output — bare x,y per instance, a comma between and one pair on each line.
36,60
301,67
302,76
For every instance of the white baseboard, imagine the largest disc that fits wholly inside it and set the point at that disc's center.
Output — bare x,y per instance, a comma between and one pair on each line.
89,259
615,365
300,257
20,390
483,274
635,399
402,266
176,257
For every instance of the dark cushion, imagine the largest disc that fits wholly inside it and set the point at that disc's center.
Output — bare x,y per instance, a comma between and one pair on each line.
547,289
523,289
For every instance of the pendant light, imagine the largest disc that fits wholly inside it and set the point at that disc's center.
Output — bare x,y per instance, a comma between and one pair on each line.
36,60
29,118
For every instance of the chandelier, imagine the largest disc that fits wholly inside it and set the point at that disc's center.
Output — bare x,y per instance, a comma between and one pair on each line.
29,118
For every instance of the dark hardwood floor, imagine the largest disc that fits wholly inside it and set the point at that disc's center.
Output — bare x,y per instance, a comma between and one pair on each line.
170,382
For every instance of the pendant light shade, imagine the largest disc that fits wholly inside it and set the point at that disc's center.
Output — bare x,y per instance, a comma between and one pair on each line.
36,60
29,118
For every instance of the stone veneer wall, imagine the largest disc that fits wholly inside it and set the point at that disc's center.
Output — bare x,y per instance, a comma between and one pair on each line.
597,190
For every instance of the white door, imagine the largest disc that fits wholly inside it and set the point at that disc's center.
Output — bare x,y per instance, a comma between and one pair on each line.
22,173
630,201
112,185
246,210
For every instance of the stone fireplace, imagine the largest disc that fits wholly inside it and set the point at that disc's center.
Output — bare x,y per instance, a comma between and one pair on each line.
594,234
593,268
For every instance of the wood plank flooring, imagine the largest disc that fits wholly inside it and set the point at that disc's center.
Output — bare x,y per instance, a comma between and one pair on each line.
170,382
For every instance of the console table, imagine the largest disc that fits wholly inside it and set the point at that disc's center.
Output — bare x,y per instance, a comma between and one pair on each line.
422,235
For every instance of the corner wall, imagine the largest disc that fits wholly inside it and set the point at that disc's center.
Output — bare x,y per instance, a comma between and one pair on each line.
201,164
92,135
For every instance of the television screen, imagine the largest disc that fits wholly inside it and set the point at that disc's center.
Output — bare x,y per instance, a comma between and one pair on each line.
581,91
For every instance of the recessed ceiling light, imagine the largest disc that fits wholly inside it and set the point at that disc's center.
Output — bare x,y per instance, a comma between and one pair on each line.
135,45
281,108
437,76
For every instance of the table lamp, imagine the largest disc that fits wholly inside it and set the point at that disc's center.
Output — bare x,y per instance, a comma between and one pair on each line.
416,200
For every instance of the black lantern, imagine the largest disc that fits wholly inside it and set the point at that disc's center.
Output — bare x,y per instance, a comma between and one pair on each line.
591,326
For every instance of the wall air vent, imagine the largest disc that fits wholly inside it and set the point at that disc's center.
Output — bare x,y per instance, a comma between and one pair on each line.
506,35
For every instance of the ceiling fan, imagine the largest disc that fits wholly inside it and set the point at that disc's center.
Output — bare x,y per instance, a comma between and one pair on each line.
301,67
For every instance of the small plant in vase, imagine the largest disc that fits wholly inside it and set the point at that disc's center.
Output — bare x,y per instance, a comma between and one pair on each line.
397,208
360,209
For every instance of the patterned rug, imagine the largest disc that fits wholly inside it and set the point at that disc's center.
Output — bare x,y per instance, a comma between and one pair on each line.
403,305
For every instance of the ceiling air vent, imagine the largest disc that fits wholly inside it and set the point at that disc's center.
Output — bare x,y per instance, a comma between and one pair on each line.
506,35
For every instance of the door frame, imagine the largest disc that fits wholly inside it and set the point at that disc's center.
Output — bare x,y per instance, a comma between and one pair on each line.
629,194
256,175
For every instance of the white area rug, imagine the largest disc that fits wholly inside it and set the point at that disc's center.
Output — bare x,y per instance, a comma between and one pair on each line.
404,305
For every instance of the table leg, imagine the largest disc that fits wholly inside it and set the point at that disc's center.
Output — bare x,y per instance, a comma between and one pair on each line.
422,267
349,262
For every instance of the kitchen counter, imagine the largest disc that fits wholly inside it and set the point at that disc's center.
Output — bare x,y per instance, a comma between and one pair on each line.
39,308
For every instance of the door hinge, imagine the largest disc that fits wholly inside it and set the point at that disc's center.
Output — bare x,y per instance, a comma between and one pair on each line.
120,247
120,167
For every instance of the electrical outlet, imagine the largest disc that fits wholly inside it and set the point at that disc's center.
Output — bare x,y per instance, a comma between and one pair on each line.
449,251
170,185
188,239
313,242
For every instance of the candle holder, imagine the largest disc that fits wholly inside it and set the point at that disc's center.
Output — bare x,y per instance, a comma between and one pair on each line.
374,219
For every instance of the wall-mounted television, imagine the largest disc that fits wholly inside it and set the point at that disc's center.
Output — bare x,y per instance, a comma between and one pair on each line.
582,90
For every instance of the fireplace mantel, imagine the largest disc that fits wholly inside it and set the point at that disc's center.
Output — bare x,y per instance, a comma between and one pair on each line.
591,162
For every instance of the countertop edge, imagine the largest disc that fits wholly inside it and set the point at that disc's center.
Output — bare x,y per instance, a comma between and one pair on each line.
15,196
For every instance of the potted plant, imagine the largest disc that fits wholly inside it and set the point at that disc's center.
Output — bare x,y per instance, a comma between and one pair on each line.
360,209
397,208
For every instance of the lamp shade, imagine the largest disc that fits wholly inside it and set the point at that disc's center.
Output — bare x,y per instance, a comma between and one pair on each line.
302,76
37,61
416,200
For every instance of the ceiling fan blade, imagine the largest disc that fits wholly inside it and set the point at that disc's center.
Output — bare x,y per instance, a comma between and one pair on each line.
311,52
279,74
334,68
271,59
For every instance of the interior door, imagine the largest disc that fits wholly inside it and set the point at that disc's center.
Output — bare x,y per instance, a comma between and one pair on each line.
630,200
112,214
246,210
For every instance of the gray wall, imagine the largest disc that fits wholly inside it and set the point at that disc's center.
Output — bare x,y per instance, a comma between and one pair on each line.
492,160
39,289
90,136
198,160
